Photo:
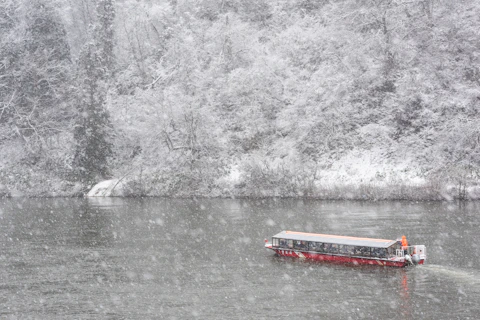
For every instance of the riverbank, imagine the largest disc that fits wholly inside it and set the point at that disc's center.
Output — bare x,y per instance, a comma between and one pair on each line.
356,176
361,191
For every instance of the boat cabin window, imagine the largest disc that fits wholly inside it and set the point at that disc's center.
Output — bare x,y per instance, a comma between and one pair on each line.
299,244
334,248
275,242
283,243
345,249
361,251
379,252
289,243
315,246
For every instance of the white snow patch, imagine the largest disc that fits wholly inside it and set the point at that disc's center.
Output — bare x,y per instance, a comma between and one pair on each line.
234,176
107,188
229,181
358,168
474,192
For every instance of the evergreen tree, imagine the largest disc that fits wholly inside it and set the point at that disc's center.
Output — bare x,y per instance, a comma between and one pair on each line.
105,35
93,130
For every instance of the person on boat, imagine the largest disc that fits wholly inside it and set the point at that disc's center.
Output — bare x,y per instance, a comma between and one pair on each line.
404,244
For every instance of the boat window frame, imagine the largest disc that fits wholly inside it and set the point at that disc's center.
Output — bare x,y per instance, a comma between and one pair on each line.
282,242
334,248
275,242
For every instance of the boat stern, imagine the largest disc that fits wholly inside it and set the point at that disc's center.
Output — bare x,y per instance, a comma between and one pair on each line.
416,255
419,254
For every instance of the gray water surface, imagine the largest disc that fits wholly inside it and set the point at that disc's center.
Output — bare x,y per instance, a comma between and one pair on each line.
204,259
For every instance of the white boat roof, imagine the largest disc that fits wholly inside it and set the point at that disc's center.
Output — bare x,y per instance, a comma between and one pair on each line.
329,238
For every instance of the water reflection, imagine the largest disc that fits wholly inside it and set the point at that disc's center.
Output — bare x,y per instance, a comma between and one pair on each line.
406,305
93,225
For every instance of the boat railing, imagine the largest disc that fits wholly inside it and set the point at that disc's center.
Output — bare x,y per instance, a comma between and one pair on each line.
411,250
399,253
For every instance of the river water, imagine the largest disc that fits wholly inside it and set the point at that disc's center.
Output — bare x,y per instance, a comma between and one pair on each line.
204,259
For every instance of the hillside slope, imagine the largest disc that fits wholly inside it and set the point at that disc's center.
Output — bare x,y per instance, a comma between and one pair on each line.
343,99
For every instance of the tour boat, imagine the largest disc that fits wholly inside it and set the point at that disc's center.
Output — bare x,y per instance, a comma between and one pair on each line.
347,250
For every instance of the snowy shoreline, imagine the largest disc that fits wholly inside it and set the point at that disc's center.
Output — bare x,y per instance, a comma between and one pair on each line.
361,192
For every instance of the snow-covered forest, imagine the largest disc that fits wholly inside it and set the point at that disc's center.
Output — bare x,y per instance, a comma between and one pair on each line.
352,99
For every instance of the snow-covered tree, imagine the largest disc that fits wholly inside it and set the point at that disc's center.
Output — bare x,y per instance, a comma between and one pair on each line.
35,71
93,130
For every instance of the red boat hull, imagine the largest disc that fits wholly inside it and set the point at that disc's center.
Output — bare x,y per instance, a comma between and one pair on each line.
339,258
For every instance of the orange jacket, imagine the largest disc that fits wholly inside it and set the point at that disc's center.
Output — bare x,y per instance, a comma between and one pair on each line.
404,241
